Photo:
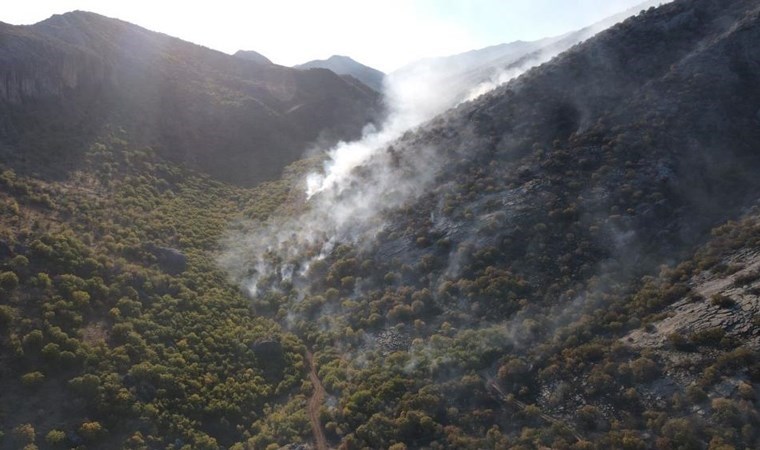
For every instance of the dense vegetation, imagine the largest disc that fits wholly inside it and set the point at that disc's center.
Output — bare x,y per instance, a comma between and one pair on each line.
117,329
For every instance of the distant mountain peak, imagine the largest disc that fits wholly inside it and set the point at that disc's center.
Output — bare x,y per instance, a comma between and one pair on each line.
254,56
341,58
345,65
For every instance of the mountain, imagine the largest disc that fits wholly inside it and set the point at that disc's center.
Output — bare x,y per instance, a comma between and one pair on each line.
68,78
343,65
568,261
467,75
251,55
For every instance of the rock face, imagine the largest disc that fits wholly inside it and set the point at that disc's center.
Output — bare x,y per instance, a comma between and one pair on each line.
38,66
66,81
723,304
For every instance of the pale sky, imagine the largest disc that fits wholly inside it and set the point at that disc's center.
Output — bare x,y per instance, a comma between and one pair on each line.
384,34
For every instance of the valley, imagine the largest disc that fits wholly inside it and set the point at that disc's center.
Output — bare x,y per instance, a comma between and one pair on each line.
567,261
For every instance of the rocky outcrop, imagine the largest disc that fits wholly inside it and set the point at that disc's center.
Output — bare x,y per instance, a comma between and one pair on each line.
33,66
719,305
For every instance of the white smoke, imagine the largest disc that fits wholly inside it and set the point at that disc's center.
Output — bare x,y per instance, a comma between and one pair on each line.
344,203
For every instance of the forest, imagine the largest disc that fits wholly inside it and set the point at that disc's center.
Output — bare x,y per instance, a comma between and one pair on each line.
571,261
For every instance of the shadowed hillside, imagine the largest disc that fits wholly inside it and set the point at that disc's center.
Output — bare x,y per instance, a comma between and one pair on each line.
73,77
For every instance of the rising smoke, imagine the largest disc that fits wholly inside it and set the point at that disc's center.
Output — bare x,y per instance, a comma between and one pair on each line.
361,181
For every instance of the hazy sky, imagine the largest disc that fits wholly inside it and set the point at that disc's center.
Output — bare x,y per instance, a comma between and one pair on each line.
384,34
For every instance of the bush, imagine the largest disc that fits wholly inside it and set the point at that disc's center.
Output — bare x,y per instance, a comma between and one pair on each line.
33,340
722,301
6,316
710,336
644,369
24,433
55,438
747,278
92,431
8,280
679,342
32,379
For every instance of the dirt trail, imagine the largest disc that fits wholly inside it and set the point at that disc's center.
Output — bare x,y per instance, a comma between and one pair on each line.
314,403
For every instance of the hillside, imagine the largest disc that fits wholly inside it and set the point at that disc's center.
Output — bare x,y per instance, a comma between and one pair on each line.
486,296
343,65
116,328
467,75
72,78
569,261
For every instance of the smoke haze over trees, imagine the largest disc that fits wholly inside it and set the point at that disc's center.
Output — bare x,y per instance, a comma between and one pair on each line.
549,244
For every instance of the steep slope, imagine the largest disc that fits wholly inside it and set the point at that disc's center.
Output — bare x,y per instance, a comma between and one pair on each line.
483,297
467,75
343,65
67,79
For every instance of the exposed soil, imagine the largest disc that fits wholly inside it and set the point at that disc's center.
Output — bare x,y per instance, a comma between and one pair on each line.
314,404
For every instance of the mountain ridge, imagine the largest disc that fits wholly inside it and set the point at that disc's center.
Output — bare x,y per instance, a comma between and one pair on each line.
260,117
252,55
344,65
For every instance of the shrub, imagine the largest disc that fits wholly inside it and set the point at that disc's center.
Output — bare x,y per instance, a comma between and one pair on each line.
92,431
32,379
24,433
710,336
747,278
722,301
55,438
644,369
8,280
33,340
6,316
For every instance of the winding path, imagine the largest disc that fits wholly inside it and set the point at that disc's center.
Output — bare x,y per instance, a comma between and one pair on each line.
314,404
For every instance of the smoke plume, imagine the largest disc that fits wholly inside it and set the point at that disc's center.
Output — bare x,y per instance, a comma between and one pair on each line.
346,201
